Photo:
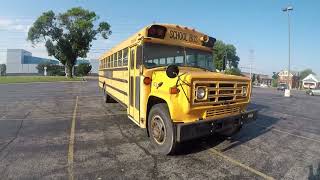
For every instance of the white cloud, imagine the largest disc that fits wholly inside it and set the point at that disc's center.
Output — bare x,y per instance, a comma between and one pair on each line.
5,22
20,25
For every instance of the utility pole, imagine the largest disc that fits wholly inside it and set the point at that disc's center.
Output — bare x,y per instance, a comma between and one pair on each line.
287,10
251,58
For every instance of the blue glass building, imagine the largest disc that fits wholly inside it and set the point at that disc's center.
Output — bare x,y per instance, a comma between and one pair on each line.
20,61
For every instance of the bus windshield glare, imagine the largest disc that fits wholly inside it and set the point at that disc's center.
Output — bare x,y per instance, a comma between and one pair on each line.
157,55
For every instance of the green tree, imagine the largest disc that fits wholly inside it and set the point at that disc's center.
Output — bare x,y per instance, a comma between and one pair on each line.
305,73
52,69
68,35
274,81
228,51
253,77
275,75
3,69
233,71
83,69
40,67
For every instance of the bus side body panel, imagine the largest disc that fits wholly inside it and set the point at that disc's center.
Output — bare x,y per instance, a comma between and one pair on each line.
116,84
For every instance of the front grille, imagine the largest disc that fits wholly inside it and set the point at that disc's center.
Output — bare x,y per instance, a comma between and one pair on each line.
224,111
221,92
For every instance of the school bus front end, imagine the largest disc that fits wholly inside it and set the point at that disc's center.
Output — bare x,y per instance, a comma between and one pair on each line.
203,103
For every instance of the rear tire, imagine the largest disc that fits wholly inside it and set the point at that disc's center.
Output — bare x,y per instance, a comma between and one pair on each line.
107,98
161,130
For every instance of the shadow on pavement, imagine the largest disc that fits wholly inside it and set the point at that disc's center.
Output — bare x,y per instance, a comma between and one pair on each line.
247,133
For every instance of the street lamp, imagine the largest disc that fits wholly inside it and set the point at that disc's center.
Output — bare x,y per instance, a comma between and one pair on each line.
287,10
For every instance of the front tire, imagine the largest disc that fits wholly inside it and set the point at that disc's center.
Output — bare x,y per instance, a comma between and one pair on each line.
161,129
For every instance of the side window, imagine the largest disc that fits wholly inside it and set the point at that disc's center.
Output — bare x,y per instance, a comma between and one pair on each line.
111,60
125,57
120,58
115,64
107,61
132,59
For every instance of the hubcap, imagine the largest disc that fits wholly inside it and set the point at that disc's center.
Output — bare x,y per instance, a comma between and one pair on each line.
158,129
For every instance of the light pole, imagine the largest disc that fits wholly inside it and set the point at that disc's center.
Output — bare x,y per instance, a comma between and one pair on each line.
287,10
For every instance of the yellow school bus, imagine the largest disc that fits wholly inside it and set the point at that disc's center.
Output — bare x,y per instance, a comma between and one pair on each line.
164,75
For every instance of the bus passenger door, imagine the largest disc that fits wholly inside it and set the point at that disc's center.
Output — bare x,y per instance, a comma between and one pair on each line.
134,87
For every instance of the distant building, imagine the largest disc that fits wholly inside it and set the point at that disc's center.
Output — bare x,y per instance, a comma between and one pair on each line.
293,78
311,82
20,61
264,79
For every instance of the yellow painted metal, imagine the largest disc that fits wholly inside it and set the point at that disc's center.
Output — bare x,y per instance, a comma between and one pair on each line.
181,106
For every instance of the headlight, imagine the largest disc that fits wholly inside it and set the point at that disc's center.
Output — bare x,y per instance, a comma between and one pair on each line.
244,91
201,93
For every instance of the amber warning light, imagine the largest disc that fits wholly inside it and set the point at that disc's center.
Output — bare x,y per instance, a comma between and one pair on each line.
147,80
157,31
174,90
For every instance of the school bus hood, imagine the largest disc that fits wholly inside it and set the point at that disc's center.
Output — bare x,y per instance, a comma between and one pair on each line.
203,75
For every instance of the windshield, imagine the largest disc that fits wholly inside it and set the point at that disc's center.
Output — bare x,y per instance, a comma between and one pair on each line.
157,55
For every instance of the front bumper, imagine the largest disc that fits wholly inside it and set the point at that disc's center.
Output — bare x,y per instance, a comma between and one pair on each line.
188,131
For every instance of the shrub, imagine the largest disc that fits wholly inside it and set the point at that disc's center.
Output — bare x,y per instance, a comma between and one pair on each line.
83,69
3,69
52,69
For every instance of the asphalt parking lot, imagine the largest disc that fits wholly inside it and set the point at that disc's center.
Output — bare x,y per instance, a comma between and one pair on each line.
65,131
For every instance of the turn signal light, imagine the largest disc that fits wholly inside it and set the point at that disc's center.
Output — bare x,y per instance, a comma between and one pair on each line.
147,80
174,90
157,31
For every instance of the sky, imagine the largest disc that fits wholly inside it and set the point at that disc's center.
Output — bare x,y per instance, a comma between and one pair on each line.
258,29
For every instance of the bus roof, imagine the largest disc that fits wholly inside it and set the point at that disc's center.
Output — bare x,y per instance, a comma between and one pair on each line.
175,35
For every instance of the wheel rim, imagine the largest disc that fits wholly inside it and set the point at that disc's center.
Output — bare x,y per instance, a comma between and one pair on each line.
158,129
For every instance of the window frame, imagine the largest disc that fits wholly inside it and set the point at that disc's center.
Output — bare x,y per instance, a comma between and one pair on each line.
115,60
125,58
111,61
119,58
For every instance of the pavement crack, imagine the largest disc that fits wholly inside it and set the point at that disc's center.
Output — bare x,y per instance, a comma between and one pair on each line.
11,141
16,134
